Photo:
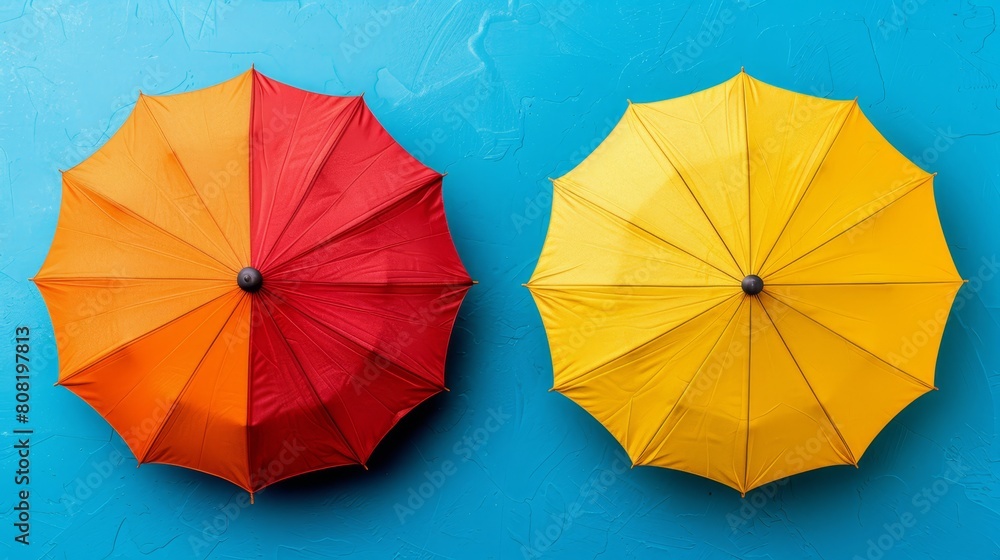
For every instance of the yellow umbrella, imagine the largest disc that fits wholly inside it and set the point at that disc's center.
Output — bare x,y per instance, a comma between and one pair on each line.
744,283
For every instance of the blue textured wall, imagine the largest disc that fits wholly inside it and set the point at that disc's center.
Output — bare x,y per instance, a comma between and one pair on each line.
502,95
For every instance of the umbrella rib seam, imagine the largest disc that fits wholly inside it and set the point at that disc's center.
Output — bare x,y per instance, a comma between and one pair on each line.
451,291
373,250
746,443
253,301
312,181
173,407
889,283
158,364
394,284
687,186
363,386
151,301
812,179
602,210
85,279
353,342
917,183
690,383
284,159
682,348
826,413
307,229
352,229
267,221
90,194
588,286
906,374
180,165
354,426
312,388
104,356
746,137
580,376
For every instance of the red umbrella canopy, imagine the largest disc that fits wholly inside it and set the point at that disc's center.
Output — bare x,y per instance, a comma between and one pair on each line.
280,276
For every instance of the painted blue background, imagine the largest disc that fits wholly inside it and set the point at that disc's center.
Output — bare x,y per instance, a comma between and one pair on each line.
502,95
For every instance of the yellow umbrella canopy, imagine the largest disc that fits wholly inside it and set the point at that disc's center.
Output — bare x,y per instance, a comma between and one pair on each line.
744,283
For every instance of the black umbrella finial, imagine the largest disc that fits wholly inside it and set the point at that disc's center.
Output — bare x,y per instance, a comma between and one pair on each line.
250,279
752,285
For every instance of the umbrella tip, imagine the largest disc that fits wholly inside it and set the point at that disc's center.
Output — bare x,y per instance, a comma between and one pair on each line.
474,282
365,466
743,70
934,388
251,497
524,285
743,494
445,389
